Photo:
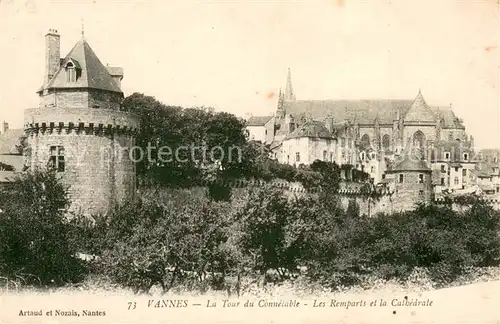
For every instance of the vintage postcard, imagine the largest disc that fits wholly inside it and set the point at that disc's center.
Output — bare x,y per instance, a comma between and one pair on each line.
329,161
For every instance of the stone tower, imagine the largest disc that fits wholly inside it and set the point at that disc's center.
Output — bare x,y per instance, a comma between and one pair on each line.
80,130
412,183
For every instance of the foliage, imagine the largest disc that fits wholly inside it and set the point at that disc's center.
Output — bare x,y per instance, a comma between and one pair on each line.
199,145
34,232
158,243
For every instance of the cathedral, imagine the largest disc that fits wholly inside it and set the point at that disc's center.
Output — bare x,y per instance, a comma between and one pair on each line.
371,135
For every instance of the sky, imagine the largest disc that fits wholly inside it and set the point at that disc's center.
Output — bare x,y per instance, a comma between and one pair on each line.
234,55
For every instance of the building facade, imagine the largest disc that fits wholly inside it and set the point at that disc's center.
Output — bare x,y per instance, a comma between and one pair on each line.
80,129
372,135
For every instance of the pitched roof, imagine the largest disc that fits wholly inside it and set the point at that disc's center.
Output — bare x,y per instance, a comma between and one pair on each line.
93,73
314,129
16,161
7,176
364,111
9,140
419,110
410,163
258,120
455,148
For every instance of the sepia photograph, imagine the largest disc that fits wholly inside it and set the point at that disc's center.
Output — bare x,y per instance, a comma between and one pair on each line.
249,161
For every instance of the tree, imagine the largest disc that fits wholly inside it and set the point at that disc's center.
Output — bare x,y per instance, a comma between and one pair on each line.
203,146
275,228
34,241
165,242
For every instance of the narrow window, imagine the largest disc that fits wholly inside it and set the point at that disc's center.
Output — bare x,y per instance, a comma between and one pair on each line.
447,155
70,72
421,192
466,156
331,156
443,169
420,178
56,159
456,169
464,172
372,170
325,156
297,157
401,178
442,181
455,181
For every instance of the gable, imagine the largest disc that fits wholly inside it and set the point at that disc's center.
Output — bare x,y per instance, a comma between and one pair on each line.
419,111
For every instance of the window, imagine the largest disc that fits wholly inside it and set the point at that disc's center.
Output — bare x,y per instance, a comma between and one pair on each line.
56,159
325,156
342,142
420,192
455,181
265,132
464,172
372,170
442,181
400,178
362,155
297,157
420,178
331,156
383,176
456,169
466,156
447,155
443,169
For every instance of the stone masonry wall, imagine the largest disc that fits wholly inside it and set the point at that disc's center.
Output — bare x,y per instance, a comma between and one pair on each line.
91,98
96,178
411,192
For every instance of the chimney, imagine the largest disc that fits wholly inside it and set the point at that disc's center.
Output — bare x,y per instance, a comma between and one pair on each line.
329,123
52,54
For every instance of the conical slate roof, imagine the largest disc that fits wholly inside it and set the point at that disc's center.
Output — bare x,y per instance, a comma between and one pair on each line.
93,73
419,110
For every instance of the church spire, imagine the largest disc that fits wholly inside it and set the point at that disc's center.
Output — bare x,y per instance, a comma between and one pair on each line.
289,95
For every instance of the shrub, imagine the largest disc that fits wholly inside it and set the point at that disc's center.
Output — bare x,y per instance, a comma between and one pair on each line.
34,232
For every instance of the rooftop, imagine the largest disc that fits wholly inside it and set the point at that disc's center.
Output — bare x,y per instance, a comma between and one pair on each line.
93,73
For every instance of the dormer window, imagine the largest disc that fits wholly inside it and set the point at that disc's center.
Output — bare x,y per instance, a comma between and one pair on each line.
70,72
466,156
73,71
447,155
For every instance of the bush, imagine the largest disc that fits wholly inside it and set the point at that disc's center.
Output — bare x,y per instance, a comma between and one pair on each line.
34,232
167,241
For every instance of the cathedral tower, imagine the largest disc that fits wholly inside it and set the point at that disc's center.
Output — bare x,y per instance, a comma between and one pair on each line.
80,130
